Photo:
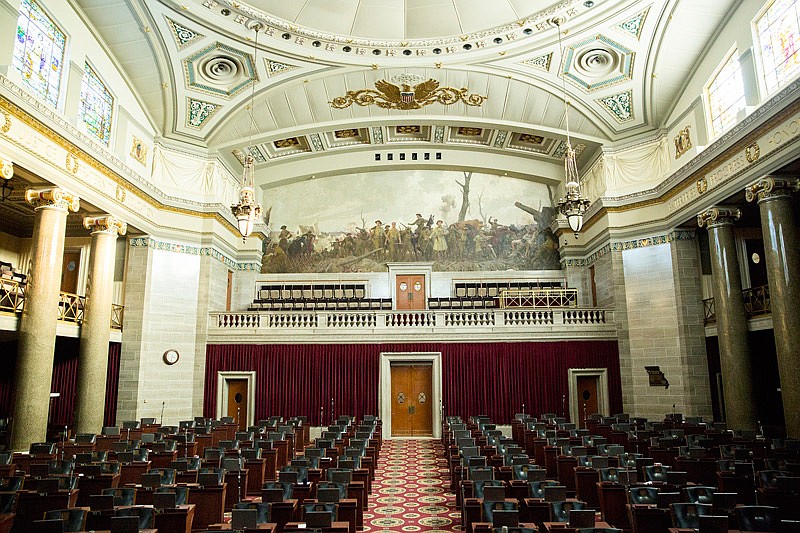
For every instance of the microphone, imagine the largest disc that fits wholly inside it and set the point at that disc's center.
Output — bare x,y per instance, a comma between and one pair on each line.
163,404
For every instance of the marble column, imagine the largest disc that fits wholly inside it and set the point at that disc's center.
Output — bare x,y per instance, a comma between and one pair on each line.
734,351
37,330
95,329
782,257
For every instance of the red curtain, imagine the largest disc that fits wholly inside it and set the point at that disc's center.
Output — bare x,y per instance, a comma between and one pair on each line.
64,378
494,379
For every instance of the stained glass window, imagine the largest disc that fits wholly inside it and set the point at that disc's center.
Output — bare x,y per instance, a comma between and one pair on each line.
39,51
725,94
778,32
97,105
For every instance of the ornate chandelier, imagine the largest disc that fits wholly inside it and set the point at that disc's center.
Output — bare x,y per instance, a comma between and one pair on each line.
247,211
573,205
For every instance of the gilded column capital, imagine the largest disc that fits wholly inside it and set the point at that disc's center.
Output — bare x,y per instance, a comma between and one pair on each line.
106,224
53,197
718,215
771,187
6,168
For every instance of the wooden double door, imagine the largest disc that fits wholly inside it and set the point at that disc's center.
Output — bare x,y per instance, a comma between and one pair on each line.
412,399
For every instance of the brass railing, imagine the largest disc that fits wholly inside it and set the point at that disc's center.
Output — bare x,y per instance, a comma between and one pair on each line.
756,303
70,306
12,295
538,298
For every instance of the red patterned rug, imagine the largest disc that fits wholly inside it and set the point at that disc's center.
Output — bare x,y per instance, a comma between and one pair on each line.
411,489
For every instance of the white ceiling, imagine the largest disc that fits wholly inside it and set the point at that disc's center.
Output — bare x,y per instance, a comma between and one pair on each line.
626,63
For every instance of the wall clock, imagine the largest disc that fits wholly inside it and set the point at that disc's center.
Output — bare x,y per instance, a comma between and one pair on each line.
171,356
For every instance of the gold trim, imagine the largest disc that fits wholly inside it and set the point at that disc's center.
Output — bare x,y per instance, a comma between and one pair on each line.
8,108
6,121
405,97
71,163
752,152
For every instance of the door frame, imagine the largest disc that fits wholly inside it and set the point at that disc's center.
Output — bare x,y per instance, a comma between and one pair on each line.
222,393
602,390
385,387
412,269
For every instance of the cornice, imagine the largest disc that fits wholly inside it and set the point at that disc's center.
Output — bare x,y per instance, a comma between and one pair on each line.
632,244
189,249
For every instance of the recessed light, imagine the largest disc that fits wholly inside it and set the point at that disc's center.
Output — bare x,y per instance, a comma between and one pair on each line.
588,3
316,44
437,50
527,31
467,46
498,40
406,52
286,36
346,49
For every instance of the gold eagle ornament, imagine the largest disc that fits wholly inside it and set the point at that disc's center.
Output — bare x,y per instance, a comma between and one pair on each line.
405,97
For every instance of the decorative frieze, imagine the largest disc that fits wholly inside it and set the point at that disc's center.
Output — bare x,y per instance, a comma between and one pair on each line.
147,242
619,246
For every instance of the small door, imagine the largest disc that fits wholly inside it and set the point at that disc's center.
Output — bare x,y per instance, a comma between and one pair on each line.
410,292
69,271
412,412
587,398
237,401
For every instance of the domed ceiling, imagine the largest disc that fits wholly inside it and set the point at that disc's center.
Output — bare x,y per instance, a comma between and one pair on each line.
336,82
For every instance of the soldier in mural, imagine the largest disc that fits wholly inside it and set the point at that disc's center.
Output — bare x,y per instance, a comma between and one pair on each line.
454,243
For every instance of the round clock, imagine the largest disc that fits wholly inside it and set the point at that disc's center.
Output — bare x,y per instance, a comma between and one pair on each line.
171,356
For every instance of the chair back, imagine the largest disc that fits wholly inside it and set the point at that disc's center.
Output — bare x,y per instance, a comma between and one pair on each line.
757,518
145,513
559,510
73,519
644,495
123,497
698,494
687,515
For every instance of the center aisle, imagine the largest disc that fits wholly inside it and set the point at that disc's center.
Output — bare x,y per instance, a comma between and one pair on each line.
411,489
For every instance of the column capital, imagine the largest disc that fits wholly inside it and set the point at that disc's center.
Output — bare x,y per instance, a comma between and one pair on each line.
53,197
6,168
105,224
771,187
718,215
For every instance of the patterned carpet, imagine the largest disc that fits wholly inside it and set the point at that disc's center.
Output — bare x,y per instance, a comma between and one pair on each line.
411,489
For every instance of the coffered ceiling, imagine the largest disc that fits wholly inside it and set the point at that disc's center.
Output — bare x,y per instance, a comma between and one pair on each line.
334,75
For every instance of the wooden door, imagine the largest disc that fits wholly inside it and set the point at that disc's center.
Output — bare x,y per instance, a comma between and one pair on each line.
587,398
237,401
410,292
69,272
412,409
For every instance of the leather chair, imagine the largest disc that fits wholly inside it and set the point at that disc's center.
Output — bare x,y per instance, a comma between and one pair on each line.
559,511
74,519
8,502
656,473
287,488
264,510
687,515
321,506
536,488
146,515
758,518
490,507
477,486
644,495
698,494
123,496
341,487
11,484
167,475
181,493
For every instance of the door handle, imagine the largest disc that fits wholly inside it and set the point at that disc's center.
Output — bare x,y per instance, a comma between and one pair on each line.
412,409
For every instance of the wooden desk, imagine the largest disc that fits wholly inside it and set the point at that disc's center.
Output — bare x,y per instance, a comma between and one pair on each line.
178,520
281,513
162,459
32,506
486,527
348,511
336,527
210,504
255,475
226,526
132,472
94,485
563,527
6,521
232,478
271,466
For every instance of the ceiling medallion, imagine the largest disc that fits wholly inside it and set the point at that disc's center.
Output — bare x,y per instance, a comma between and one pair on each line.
405,97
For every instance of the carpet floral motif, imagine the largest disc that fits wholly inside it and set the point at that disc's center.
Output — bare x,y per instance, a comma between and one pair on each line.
411,490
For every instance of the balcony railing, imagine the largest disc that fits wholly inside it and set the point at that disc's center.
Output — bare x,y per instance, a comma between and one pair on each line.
70,306
434,324
756,303
538,298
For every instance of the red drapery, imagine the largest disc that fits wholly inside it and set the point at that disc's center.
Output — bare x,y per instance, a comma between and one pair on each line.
64,378
494,379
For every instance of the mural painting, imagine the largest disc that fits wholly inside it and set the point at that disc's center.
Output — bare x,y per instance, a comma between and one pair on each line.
462,221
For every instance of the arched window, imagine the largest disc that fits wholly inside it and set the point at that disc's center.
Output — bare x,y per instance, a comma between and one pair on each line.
725,94
39,52
778,37
97,105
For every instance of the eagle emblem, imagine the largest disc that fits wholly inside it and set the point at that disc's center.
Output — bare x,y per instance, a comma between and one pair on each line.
405,97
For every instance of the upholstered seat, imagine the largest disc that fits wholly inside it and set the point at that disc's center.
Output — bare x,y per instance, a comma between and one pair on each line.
146,515
698,494
264,510
687,515
758,518
123,496
644,495
74,519
559,511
